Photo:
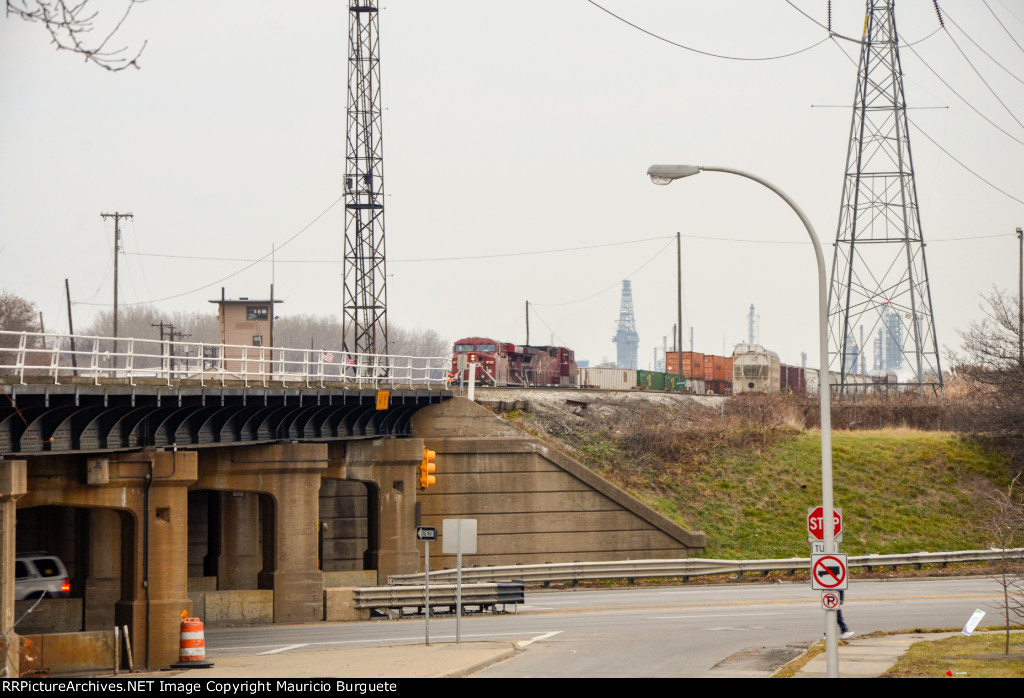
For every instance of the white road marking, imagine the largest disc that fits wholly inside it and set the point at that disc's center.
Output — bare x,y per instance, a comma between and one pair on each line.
284,649
526,643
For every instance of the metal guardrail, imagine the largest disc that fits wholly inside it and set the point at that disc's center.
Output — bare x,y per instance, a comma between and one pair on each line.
395,600
687,567
61,357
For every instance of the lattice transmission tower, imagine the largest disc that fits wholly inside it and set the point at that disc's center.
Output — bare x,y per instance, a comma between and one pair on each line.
879,274
627,341
365,324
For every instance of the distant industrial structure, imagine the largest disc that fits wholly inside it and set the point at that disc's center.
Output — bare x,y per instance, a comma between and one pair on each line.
879,274
627,341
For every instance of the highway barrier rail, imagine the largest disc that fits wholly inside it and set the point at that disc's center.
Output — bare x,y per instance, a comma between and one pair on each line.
62,358
395,601
688,567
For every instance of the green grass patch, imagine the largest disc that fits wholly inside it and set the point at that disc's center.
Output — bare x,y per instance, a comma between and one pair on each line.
749,489
979,656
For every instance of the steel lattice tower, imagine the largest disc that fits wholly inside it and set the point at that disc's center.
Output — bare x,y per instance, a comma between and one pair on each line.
627,341
365,325
879,274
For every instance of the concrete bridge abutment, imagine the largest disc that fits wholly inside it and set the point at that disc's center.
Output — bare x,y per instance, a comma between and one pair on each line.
390,469
287,479
146,494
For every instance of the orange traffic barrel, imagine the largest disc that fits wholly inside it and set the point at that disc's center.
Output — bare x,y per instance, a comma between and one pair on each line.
192,648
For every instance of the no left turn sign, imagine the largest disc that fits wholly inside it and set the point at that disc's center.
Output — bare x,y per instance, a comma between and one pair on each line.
828,572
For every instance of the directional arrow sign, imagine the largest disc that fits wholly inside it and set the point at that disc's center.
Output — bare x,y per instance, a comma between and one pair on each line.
426,533
828,572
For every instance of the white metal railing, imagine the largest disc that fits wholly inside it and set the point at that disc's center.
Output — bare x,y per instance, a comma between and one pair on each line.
61,357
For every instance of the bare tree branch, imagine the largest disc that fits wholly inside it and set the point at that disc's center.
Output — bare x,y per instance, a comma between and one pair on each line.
994,375
71,25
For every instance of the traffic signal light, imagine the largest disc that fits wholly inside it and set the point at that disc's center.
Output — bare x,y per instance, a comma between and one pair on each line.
427,468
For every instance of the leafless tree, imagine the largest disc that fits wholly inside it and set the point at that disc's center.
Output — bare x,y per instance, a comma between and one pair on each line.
991,366
17,314
72,26
1004,522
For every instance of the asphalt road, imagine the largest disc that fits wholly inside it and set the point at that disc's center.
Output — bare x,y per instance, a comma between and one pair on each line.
652,631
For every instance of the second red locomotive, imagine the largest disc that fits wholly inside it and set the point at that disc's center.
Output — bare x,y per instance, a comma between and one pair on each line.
500,364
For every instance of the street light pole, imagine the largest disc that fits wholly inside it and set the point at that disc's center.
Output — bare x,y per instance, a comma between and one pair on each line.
665,174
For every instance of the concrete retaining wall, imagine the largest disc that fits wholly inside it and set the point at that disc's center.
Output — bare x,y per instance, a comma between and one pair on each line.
68,652
50,616
532,503
233,607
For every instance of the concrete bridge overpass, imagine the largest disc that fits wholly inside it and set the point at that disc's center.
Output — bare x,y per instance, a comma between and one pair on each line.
145,481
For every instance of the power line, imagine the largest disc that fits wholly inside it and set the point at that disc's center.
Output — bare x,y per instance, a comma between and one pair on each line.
1003,25
964,100
982,49
236,273
694,50
946,152
496,255
978,73
615,285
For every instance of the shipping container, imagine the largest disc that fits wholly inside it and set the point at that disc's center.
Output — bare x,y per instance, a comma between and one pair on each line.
650,380
717,368
608,378
693,363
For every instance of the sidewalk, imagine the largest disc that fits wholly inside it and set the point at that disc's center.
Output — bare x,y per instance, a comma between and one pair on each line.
441,660
867,657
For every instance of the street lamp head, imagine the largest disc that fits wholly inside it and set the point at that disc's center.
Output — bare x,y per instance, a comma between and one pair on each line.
664,174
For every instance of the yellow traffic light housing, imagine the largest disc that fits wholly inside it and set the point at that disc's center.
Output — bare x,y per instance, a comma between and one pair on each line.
427,468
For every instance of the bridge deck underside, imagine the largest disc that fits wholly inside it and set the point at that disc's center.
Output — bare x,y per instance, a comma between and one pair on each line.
64,419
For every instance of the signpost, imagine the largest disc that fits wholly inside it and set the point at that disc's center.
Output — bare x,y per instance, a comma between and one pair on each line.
459,536
426,534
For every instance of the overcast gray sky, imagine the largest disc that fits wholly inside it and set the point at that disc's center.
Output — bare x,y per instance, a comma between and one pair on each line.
514,127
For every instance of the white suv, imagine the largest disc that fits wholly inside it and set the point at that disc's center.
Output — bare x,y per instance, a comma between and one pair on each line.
40,574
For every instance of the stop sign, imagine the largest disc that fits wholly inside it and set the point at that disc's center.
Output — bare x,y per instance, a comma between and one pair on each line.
815,527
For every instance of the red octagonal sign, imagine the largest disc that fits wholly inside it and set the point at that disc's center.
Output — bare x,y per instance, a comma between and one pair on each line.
817,529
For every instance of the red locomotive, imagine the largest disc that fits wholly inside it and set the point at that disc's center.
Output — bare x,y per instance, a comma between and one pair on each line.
500,364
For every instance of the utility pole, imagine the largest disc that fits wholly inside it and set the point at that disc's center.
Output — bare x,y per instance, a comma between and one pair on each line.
527,323
1020,302
71,329
677,335
117,248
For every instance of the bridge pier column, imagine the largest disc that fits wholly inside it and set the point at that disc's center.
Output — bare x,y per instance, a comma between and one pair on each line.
103,580
288,478
13,484
158,572
239,561
391,465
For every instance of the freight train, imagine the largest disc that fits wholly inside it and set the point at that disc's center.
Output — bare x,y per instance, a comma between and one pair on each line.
501,364
751,368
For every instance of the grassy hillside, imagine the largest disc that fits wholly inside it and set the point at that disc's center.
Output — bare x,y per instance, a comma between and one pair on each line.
747,479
